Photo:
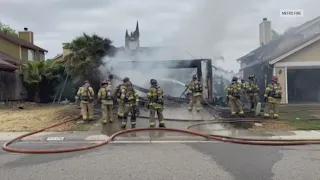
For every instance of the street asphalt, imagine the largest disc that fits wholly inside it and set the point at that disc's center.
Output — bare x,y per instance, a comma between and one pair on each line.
164,161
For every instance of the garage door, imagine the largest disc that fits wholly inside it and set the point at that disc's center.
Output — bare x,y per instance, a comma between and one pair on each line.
303,85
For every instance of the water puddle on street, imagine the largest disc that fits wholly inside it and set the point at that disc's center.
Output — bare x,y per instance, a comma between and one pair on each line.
237,129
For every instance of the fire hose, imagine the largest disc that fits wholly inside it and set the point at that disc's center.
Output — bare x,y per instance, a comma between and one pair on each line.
212,137
269,142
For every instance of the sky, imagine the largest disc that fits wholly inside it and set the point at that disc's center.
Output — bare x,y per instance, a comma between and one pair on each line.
203,28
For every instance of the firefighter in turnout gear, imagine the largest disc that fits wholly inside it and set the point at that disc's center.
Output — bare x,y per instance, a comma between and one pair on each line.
86,95
272,97
251,90
120,93
131,101
105,95
234,91
155,96
196,89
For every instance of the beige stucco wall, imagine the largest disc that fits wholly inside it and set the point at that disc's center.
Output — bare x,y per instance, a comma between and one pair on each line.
282,80
310,53
9,48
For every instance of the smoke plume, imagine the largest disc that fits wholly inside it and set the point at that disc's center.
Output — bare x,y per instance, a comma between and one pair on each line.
199,36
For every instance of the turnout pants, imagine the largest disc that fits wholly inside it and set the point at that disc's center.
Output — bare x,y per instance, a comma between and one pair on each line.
252,101
272,106
120,109
235,104
107,112
195,101
87,110
129,109
159,112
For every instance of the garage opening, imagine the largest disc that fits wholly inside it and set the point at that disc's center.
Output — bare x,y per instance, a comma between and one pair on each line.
303,85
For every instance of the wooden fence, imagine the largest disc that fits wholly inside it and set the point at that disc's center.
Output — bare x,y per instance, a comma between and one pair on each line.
11,86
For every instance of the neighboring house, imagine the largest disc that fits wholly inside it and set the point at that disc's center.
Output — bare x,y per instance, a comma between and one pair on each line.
293,56
58,57
13,52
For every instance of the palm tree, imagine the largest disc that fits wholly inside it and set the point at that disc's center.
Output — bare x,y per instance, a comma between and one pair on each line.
87,54
34,72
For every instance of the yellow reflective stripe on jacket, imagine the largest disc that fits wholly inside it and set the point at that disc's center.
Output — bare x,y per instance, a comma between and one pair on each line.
191,85
82,89
103,92
136,96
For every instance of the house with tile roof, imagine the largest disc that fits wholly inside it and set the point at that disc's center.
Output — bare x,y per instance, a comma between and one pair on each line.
13,52
293,56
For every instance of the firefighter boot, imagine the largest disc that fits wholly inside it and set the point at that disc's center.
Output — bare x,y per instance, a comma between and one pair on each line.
111,119
123,125
241,114
133,121
123,122
120,118
133,126
103,119
162,124
152,125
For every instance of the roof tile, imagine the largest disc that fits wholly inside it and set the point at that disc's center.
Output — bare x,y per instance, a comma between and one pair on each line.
272,47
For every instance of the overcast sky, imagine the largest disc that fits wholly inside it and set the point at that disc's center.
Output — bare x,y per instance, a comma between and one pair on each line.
205,28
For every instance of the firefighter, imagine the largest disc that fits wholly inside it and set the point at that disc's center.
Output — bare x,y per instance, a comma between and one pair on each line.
243,83
131,102
272,97
120,93
195,87
86,95
234,91
105,95
251,91
155,97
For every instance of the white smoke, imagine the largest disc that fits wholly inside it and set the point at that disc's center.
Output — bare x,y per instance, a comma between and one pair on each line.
168,79
199,36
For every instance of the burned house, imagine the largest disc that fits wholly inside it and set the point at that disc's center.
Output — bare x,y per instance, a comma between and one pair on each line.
221,79
293,56
171,66
141,64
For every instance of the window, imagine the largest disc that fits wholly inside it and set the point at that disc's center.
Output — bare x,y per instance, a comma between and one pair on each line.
30,55
41,56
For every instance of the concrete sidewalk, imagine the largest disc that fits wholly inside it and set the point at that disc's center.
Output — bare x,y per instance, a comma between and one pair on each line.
157,136
56,136
313,134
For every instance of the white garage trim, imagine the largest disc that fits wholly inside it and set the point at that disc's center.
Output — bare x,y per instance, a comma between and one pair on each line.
298,64
295,50
274,71
286,83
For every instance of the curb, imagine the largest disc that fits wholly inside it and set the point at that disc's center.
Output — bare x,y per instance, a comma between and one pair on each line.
81,136
56,136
